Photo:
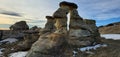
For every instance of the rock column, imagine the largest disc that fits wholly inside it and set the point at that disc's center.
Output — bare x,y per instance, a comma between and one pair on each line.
49,26
77,25
61,18
78,33
50,23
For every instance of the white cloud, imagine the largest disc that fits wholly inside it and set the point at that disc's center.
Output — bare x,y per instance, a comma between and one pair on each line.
96,9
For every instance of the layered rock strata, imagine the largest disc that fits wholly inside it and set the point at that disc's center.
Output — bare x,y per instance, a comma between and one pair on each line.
61,19
49,26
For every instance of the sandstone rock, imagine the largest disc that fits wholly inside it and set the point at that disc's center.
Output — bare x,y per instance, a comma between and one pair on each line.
22,25
44,31
61,19
25,45
49,26
70,4
61,25
77,25
61,43
91,26
13,34
76,22
50,23
79,33
34,28
49,45
81,41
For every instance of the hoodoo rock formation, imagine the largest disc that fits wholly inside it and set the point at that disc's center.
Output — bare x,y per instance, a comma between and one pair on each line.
61,18
49,26
62,42
50,23
22,25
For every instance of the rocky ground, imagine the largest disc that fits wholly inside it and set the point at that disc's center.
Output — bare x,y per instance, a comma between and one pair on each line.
110,48
14,41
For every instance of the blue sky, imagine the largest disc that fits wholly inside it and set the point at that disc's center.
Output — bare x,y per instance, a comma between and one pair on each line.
34,11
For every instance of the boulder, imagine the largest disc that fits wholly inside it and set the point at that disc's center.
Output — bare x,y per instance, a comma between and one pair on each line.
82,32
22,25
25,45
34,28
49,45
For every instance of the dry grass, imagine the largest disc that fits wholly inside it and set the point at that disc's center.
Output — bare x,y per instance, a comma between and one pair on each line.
110,29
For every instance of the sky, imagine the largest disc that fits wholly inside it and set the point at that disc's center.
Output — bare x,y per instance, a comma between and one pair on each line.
34,11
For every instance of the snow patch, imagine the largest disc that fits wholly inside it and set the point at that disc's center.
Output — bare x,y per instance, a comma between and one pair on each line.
74,53
88,48
111,36
18,54
9,40
1,51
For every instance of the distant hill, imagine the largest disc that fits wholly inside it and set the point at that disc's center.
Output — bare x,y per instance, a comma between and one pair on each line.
112,28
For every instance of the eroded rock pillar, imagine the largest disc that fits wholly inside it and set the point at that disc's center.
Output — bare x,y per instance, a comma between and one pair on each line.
61,18
49,26
50,23
77,25
78,34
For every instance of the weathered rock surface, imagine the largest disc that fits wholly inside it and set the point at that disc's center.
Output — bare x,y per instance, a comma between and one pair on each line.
70,4
61,19
79,29
49,26
16,43
49,45
25,45
77,25
91,26
22,25
50,23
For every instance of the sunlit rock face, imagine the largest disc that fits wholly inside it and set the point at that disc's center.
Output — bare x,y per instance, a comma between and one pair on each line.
22,25
60,16
49,45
